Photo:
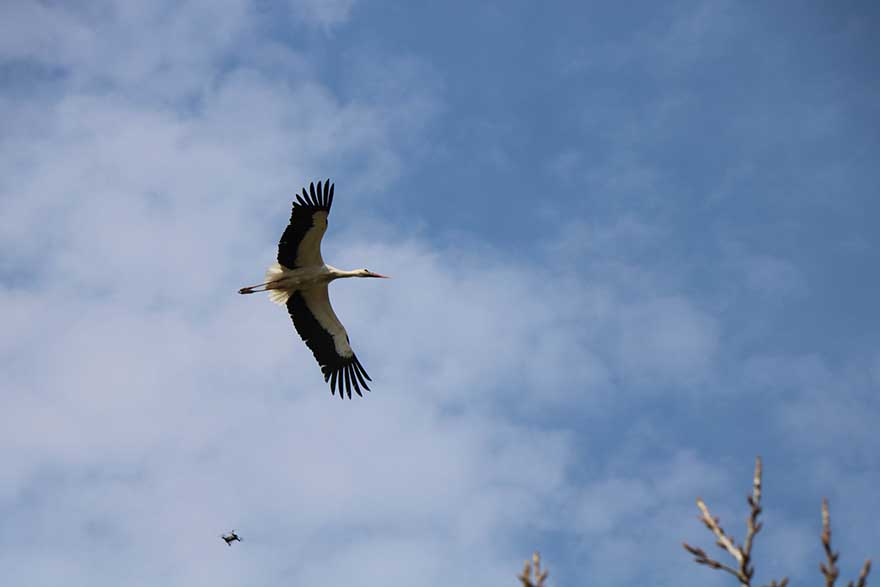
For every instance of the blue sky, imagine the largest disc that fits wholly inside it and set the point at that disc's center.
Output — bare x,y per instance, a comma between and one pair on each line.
633,246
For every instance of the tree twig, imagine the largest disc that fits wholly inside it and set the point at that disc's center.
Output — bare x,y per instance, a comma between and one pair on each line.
830,570
863,576
532,575
742,554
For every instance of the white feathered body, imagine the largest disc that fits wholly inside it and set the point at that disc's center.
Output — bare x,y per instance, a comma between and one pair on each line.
281,281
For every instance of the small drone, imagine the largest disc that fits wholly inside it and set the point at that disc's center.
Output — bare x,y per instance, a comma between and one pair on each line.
230,538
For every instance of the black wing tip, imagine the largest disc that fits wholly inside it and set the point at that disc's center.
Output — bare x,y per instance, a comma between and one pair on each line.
361,368
354,380
346,377
320,196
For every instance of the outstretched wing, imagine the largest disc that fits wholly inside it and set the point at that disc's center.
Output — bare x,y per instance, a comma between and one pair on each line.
320,329
300,245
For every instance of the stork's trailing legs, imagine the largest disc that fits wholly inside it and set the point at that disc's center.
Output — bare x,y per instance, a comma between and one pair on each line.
253,288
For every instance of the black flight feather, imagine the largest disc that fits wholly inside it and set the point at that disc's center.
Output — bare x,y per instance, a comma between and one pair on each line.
301,220
338,370
354,381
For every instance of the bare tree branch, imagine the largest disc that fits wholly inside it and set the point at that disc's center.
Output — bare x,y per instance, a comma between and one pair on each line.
724,541
753,525
830,570
742,554
532,575
701,558
863,576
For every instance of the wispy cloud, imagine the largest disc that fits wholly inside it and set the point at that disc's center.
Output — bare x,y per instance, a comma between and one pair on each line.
322,12
576,386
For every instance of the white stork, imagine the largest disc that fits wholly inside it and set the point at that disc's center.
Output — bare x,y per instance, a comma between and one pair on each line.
230,538
299,280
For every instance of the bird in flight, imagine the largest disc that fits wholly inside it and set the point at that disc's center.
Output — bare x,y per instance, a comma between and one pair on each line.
299,281
230,538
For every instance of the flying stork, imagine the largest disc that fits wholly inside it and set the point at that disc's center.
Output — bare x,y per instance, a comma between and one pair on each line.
230,538
299,280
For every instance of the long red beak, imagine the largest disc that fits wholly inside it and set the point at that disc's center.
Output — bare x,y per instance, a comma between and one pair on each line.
380,276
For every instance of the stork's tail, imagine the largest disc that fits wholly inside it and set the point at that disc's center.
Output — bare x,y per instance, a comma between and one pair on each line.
279,296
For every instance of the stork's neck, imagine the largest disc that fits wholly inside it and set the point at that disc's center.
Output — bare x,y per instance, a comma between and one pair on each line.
341,273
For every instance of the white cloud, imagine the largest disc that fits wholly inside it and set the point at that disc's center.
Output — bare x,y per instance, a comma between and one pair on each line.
165,401
772,277
666,341
630,521
826,406
322,12
148,408
149,50
155,408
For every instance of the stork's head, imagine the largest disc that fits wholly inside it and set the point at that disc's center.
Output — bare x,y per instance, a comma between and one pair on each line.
368,273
